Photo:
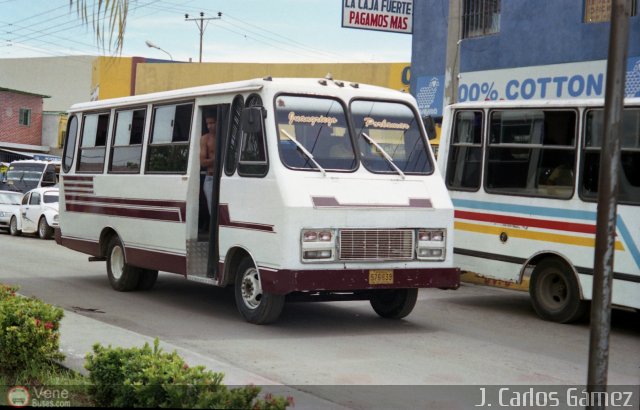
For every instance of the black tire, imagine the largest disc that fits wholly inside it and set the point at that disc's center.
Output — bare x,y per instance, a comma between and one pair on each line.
394,303
555,294
44,230
122,276
254,305
148,278
13,227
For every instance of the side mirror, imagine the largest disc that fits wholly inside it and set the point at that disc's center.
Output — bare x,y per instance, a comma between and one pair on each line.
430,126
251,119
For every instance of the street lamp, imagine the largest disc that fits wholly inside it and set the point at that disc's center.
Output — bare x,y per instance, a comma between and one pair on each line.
151,45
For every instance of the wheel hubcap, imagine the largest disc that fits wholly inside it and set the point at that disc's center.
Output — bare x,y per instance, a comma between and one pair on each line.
251,288
42,228
555,292
117,262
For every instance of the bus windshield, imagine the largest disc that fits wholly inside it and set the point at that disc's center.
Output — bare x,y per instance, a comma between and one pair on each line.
389,138
317,126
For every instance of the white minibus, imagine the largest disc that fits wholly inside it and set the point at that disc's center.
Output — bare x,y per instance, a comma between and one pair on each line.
321,190
523,178
25,175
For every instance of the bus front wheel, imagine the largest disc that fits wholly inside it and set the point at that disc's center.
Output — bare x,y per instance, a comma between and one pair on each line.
394,303
555,294
255,306
122,276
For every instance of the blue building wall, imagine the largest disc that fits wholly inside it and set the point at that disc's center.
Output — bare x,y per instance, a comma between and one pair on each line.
532,33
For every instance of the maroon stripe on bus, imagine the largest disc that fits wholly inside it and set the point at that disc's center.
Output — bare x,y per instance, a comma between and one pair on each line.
151,259
224,218
76,178
81,245
285,281
164,215
77,185
157,203
142,258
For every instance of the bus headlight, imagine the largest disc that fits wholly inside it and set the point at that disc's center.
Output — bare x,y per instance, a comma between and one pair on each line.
317,245
428,235
431,244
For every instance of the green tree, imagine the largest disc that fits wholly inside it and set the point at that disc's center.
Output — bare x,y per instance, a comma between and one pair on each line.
108,18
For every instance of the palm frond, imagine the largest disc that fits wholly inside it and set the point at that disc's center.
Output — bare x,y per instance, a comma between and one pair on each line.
107,17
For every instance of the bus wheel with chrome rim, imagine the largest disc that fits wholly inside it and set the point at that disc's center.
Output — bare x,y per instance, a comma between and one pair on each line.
255,305
554,291
13,227
123,277
44,230
394,303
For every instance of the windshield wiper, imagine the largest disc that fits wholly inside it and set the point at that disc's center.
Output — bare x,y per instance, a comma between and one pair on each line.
384,154
305,152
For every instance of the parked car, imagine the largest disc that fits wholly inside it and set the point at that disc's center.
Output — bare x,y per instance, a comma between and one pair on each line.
38,213
9,206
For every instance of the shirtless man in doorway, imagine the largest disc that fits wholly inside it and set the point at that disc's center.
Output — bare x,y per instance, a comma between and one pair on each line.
208,157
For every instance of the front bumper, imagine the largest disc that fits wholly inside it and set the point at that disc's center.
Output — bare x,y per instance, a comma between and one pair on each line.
285,281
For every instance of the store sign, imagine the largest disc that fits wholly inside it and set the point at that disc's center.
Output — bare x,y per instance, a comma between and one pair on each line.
382,15
558,81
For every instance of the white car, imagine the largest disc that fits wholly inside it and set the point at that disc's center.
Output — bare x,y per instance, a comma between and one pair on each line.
38,213
9,206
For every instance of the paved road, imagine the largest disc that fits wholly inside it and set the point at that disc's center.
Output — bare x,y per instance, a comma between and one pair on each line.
474,335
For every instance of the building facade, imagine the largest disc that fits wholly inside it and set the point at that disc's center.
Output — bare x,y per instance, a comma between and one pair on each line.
20,123
515,49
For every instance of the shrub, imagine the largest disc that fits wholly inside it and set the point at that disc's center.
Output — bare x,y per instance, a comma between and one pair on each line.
145,377
29,334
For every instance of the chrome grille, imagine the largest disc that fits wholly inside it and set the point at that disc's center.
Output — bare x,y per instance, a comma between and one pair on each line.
376,244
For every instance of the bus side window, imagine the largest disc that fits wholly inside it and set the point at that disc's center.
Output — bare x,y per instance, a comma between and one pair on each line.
233,139
126,146
465,154
93,142
253,151
168,150
629,183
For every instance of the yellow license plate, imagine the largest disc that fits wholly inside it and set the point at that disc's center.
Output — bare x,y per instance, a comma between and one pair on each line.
381,277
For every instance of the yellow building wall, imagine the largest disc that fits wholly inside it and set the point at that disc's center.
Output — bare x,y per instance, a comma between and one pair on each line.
62,129
152,77
111,77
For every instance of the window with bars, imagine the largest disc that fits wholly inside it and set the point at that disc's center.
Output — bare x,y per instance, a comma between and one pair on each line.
598,11
480,18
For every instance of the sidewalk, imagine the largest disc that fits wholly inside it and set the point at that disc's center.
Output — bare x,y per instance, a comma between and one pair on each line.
79,333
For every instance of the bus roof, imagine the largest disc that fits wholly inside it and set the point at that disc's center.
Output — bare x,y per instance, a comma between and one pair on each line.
555,103
303,85
34,161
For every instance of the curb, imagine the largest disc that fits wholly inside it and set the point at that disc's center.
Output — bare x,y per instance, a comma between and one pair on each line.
79,333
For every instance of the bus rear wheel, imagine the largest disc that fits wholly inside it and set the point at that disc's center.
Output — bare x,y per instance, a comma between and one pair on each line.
394,303
255,306
122,276
555,294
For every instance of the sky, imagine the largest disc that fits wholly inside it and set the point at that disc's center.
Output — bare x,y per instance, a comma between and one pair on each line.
267,31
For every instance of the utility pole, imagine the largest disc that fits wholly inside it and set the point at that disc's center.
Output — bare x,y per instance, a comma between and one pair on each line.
201,27
610,169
